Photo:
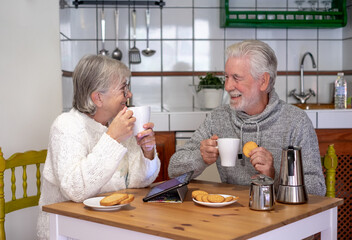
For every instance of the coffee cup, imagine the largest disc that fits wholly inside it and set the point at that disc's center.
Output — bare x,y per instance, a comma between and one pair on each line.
228,150
142,115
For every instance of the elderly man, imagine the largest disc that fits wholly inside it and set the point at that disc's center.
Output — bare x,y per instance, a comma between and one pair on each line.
255,113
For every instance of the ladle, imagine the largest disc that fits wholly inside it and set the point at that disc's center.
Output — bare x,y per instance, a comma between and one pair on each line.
148,52
117,54
103,51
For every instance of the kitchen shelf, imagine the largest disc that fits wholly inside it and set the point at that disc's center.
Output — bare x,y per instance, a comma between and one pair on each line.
284,19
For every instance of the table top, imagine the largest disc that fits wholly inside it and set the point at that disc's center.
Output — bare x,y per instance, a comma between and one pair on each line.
189,220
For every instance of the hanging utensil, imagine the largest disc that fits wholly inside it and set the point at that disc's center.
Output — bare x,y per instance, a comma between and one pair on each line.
148,52
116,54
134,54
103,51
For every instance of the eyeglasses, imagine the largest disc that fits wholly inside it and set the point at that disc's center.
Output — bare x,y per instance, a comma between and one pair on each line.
126,89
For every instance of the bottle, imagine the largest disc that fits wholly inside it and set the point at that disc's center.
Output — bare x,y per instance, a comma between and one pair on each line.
340,92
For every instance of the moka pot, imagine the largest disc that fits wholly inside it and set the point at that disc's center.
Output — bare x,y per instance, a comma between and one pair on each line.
291,182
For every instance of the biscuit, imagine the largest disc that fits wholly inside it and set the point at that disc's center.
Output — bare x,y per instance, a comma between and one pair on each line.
248,147
199,197
128,200
228,199
215,198
205,198
196,192
113,199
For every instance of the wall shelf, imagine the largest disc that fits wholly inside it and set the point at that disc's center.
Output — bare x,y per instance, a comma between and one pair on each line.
284,19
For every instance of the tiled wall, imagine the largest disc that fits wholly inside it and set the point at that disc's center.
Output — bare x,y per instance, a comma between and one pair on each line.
186,35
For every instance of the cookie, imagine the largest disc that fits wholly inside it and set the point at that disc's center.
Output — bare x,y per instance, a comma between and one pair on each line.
199,197
215,198
205,198
248,147
196,192
128,200
228,199
113,199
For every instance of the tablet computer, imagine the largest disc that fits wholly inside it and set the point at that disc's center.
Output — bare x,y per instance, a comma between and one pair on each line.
172,190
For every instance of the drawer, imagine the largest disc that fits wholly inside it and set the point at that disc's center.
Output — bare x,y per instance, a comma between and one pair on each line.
161,121
335,119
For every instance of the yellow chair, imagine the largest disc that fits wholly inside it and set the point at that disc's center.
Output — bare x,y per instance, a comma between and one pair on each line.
19,160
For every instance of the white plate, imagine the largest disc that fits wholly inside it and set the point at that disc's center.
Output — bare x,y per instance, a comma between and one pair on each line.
95,204
208,204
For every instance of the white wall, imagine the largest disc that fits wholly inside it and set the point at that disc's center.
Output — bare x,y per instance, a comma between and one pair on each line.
30,87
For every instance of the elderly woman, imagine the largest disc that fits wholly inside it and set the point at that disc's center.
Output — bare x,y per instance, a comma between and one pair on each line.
91,148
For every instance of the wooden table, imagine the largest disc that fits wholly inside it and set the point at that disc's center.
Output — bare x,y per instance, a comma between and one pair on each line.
187,220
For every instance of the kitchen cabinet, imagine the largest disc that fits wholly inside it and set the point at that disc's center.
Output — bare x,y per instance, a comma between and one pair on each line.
166,146
283,17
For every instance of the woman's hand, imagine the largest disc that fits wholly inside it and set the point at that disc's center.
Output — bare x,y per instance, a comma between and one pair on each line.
121,127
146,139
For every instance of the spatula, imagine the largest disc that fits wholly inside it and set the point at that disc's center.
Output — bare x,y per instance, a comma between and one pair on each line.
134,54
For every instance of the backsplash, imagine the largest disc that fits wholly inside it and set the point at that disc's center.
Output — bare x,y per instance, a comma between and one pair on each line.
187,37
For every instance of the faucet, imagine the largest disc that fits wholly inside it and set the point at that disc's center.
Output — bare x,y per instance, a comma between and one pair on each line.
303,97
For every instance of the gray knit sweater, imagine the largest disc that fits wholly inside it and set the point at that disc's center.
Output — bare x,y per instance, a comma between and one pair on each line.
277,127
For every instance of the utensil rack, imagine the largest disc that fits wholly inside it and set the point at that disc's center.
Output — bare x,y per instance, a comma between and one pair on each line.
159,3
284,19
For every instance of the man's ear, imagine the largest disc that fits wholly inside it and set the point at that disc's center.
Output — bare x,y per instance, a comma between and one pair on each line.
264,81
96,98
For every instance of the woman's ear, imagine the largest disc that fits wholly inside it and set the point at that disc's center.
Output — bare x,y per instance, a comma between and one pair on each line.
264,82
97,98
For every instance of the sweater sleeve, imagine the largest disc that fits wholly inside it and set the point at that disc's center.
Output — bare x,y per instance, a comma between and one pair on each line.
188,157
306,137
78,169
141,171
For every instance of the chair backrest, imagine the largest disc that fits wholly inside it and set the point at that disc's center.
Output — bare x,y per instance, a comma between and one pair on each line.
21,160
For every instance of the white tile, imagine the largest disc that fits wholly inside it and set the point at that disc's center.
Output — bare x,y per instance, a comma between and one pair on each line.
148,63
279,48
73,51
326,89
296,50
206,3
206,27
176,27
310,82
281,87
242,3
330,53
177,55
209,55
146,91
67,93
346,55
334,33
177,92
263,33
81,21
347,30
177,3
271,3
240,33
302,33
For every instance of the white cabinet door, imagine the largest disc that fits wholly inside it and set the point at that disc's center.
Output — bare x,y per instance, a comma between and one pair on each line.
335,119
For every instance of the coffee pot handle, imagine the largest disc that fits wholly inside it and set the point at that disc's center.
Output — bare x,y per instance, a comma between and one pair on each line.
290,160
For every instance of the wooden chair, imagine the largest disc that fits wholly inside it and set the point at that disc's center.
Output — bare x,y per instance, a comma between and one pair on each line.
19,160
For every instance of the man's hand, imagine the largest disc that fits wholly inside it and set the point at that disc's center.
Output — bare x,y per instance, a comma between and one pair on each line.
263,161
209,150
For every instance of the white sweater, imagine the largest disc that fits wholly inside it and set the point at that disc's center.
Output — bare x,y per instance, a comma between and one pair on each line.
84,161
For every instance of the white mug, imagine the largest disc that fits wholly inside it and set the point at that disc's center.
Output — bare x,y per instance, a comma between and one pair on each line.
142,115
228,150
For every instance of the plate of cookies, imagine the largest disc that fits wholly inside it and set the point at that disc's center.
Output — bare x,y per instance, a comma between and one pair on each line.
109,203
212,200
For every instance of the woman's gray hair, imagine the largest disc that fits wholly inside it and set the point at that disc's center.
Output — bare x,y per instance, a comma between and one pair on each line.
262,58
95,73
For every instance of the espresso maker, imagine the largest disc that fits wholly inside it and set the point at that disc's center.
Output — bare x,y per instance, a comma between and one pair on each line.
291,182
